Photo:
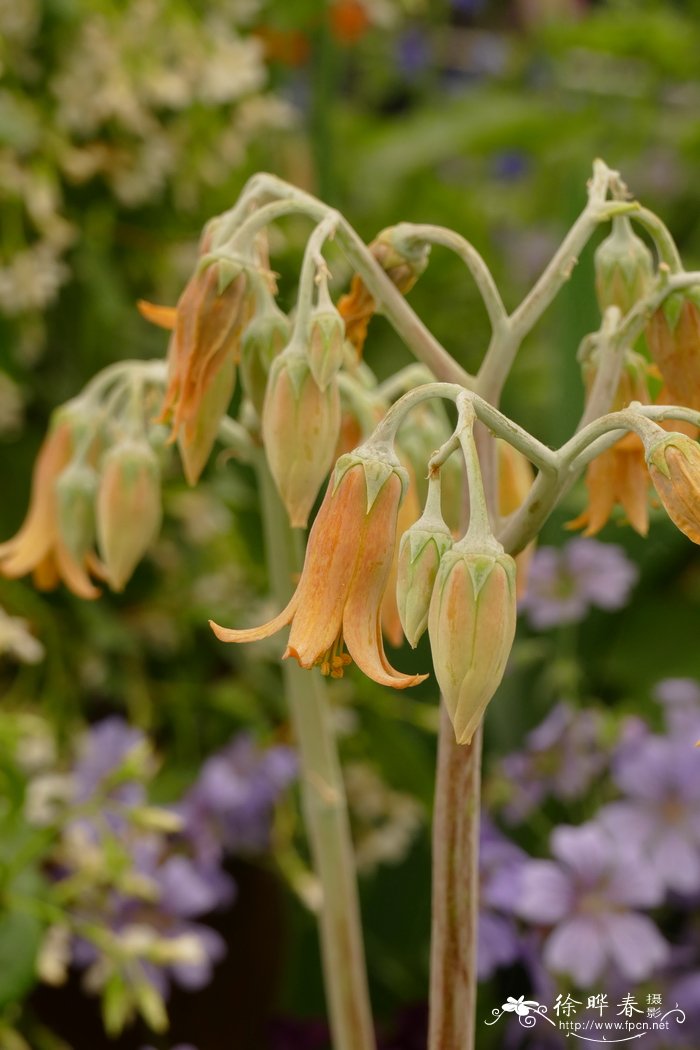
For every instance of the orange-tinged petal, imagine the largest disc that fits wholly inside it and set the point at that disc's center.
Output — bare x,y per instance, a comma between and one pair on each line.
162,316
409,512
331,557
74,575
363,636
35,538
256,634
361,616
634,488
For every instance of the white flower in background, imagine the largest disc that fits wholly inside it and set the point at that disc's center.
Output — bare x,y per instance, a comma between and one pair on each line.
54,956
31,279
385,821
47,795
17,641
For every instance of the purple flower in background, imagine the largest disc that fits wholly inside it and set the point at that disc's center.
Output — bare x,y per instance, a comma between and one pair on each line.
587,894
230,806
680,698
660,816
413,52
564,583
468,7
106,748
180,1046
562,757
510,165
500,862
288,1033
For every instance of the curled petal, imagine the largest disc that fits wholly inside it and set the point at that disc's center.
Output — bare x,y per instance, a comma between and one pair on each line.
163,316
363,637
255,634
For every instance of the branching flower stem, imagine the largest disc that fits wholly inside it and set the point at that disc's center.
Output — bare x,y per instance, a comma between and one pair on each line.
456,814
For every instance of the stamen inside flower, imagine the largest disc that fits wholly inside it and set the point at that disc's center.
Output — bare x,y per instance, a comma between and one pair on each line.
334,660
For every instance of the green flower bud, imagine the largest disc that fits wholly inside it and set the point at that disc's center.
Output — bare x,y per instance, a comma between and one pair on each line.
623,267
420,552
76,489
128,507
300,426
326,343
471,624
263,340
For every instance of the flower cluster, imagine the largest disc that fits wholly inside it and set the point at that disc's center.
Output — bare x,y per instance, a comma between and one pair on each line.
95,488
590,913
132,881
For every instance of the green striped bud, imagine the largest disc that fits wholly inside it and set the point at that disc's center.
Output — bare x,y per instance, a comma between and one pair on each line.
128,507
623,267
471,624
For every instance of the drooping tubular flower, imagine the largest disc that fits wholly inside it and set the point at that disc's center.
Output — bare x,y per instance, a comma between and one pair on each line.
673,336
39,547
338,600
619,474
206,325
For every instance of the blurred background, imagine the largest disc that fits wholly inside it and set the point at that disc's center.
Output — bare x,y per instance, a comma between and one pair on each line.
123,127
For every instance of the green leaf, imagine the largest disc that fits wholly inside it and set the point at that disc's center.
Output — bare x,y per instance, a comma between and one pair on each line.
20,937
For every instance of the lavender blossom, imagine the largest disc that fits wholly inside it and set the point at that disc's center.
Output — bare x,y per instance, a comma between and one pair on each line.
107,747
680,698
565,583
230,806
660,816
500,863
562,757
588,895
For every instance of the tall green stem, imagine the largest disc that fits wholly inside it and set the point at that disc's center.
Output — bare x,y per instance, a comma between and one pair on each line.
325,808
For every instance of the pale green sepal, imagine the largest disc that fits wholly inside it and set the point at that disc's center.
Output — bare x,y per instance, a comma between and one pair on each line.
480,568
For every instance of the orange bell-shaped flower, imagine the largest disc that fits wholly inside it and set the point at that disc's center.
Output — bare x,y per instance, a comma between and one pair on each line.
206,325
619,475
338,600
38,547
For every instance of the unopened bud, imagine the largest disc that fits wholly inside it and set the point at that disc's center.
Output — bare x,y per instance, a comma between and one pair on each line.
128,507
623,267
300,425
420,552
471,625
264,338
674,468
76,489
326,343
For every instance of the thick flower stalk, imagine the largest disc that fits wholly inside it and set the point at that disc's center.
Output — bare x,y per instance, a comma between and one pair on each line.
337,604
